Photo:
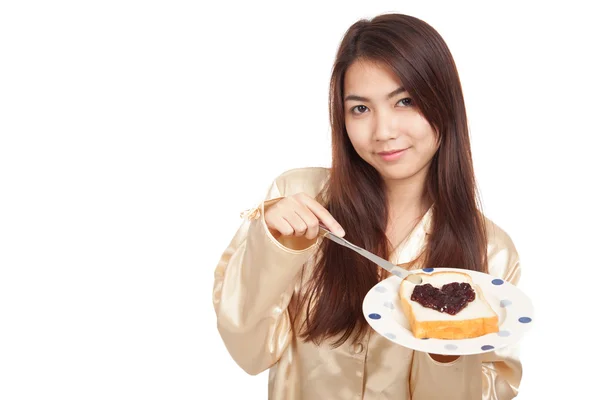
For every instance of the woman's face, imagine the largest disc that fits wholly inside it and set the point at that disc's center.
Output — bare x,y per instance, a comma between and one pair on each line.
385,128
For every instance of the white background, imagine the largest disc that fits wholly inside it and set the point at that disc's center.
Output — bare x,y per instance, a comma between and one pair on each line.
134,133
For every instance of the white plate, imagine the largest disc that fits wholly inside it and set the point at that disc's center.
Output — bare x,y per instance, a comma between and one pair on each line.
383,312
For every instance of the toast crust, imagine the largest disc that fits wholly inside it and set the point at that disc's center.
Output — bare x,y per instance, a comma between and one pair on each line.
450,329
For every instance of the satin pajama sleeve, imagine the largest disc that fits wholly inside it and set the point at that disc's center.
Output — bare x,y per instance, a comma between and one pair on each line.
253,284
502,369
489,376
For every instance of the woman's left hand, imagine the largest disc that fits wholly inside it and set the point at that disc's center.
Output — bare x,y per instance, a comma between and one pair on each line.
443,358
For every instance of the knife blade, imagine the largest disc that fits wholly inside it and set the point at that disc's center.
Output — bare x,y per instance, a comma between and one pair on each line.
385,264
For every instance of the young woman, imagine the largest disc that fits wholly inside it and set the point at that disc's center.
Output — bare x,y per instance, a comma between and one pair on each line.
401,185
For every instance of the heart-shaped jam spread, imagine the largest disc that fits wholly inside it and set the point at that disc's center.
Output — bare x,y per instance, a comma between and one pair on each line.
451,298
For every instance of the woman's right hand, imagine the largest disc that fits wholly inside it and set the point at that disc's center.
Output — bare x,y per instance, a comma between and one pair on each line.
300,215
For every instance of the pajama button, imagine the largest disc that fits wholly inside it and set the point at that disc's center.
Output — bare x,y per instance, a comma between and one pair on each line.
358,348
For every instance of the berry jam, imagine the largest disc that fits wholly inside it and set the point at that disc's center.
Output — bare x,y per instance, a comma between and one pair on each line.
451,298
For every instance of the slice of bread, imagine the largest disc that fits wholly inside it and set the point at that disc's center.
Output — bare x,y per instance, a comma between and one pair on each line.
476,319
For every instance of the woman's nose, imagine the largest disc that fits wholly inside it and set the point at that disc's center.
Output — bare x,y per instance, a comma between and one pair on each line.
385,126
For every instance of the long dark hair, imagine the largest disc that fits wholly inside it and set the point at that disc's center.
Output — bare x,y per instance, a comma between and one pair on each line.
355,195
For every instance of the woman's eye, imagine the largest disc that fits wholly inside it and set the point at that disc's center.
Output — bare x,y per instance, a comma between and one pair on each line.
359,109
406,102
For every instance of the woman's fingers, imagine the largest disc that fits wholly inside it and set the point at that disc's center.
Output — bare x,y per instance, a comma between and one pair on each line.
300,215
324,216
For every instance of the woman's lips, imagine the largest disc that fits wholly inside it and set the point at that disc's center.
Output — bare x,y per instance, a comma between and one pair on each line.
392,155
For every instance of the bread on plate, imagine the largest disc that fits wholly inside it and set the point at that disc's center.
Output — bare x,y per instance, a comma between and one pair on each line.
447,305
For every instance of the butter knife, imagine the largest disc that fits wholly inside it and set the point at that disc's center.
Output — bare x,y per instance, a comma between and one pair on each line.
385,264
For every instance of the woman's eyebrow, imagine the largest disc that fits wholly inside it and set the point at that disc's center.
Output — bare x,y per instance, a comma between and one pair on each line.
360,98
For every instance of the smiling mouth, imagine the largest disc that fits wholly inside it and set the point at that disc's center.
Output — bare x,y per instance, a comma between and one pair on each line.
388,153
392,155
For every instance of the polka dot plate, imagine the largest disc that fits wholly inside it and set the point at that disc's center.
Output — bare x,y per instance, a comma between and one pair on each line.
383,312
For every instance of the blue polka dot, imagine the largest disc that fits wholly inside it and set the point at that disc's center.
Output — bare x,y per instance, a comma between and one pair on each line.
487,347
505,303
524,320
374,316
504,333
497,281
390,336
451,347
380,289
389,304
427,269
